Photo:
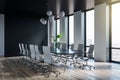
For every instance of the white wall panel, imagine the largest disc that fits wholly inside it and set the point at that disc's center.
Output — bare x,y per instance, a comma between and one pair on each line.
101,30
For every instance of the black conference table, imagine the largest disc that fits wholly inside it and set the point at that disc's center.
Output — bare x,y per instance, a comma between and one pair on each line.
66,53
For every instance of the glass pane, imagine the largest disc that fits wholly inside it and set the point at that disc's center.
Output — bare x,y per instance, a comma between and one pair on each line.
58,28
115,55
116,25
71,29
89,27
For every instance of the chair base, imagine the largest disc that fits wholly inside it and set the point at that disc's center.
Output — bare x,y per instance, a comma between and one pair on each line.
89,66
51,71
48,70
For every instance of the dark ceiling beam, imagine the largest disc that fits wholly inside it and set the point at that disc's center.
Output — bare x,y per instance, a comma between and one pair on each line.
97,2
90,4
71,6
64,6
58,6
68,6
52,6
36,7
40,7
80,5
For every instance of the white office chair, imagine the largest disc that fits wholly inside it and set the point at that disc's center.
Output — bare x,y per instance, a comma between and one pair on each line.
64,46
52,46
23,53
72,47
48,59
78,55
80,49
89,57
39,60
27,51
63,57
32,50
23,50
32,57
39,56
20,48
58,45
20,52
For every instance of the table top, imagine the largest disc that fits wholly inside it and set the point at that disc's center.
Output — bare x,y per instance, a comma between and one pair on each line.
65,52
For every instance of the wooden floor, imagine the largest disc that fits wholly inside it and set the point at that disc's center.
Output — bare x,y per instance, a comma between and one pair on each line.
10,69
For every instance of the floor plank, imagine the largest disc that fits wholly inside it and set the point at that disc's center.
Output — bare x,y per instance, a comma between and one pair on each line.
11,69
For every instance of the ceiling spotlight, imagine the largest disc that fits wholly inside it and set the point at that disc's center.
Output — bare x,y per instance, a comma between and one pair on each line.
51,18
49,13
62,14
43,21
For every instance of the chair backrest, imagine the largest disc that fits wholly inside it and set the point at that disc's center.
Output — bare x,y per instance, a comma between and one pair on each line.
52,45
38,55
58,45
90,51
47,55
72,47
64,46
20,48
32,51
80,47
23,49
26,49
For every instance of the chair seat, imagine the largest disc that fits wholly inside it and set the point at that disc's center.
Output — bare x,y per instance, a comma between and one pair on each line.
85,59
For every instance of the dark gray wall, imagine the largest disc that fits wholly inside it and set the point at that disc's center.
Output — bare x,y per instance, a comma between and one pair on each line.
23,28
2,6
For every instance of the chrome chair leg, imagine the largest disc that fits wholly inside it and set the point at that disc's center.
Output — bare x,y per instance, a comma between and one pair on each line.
86,65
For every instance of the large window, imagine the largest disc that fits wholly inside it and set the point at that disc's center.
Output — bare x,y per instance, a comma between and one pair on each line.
89,27
115,29
71,29
58,28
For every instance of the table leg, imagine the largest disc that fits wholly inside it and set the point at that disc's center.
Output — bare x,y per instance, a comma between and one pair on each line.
65,63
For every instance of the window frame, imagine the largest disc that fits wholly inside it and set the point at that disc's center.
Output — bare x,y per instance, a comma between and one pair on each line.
69,28
85,30
110,34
